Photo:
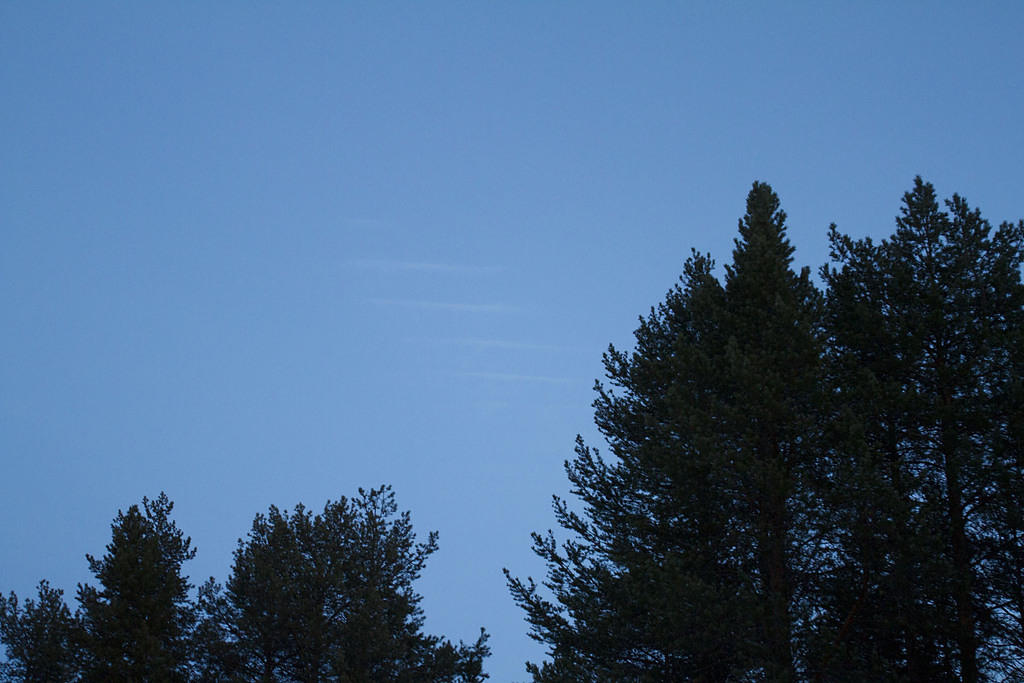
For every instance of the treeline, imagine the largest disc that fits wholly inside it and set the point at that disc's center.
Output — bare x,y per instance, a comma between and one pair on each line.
806,484
310,597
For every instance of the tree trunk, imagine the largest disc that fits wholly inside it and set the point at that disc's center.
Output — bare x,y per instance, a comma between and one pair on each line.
775,569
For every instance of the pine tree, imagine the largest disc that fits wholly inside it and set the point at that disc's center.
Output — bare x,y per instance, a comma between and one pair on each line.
926,343
693,554
42,638
330,597
138,623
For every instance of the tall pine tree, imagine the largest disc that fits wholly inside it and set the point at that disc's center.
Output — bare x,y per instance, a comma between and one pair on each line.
138,623
926,332
694,552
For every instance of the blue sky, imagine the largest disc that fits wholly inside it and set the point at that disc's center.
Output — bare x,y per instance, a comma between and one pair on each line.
263,253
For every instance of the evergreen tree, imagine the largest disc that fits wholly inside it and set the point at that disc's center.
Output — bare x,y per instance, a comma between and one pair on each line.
42,638
330,597
926,332
138,623
694,553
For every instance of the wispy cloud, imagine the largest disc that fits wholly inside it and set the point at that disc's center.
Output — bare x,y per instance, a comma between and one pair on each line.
515,377
363,222
503,344
391,265
445,306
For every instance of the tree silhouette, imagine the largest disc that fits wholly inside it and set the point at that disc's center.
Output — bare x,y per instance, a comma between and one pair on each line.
692,556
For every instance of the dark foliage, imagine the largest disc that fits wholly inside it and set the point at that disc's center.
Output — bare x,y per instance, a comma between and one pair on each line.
42,638
324,597
330,597
926,345
137,624
805,487
693,554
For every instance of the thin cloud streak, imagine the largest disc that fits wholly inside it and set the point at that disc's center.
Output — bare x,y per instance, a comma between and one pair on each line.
514,377
503,344
420,266
366,222
445,306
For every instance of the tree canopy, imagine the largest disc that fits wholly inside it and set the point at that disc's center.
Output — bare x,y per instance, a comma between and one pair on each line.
136,624
41,638
804,484
329,596
325,597
926,341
